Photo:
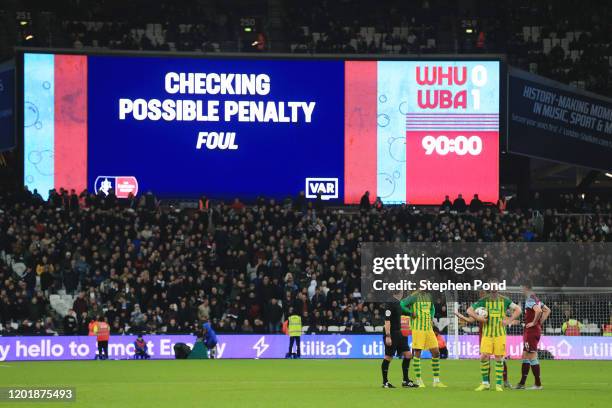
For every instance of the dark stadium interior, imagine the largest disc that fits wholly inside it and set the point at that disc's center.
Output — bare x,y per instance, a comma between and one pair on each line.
546,37
165,266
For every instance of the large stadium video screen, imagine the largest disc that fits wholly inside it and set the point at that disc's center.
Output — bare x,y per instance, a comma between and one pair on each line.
407,131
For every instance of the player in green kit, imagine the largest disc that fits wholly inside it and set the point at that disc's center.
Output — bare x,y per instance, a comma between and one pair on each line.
421,309
493,340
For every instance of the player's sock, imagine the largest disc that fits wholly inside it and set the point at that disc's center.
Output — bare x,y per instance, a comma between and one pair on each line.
385,370
417,367
405,367
484,371
535,367
524,371
499,372
435,366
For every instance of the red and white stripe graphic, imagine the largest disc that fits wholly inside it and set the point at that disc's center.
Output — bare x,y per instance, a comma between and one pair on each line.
452,121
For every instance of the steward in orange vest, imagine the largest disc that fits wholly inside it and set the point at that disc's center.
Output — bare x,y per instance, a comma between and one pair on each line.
102,331
91,326
441,343
405,325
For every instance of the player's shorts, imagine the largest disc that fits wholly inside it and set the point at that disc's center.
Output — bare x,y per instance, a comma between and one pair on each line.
530,341
399,345
493,345
424,340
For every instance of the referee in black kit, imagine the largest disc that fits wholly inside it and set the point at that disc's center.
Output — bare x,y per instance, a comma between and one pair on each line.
395,343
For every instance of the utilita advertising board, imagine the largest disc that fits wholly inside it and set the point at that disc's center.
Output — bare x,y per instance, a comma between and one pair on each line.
276,346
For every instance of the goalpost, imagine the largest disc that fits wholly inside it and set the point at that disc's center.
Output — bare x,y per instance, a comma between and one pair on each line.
591,307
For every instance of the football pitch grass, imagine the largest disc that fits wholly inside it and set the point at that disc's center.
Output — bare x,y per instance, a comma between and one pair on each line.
300,383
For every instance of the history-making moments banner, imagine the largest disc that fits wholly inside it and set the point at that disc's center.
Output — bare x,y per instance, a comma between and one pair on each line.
558,122
407,131
255,346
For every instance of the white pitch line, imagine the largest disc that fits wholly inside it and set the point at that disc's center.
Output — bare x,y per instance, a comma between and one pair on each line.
594,383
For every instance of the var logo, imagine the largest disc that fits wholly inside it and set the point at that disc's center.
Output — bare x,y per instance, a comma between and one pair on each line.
326,187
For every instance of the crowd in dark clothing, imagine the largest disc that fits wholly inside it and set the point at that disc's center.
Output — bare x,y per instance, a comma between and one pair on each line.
155,269
341,27
479,26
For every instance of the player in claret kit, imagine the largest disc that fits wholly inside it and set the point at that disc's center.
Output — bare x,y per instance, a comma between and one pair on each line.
536,313
493,334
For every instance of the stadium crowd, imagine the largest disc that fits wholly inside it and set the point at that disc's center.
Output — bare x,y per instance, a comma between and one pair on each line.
546,37
158,269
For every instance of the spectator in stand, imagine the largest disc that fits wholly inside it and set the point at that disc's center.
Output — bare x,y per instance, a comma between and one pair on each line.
246,326
364,203
502,204
446,204
49,327
137,317
70,274
237,205
203,204
85,325
35,310
204,311
300,202
429,27
80,304
38,329
150,201
459,204
170,263
258,326
537,204
71,324
378,204
274,315
45,272
74,200
173,327
475,204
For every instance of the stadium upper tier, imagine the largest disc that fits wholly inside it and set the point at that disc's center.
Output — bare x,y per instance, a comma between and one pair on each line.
546,37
